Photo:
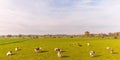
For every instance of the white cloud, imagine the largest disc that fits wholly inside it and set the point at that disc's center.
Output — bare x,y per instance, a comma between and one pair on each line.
63,16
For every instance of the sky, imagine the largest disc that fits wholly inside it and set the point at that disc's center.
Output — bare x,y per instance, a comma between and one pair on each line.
59,16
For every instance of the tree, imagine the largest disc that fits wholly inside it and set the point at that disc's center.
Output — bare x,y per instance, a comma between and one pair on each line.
9,35
20,35
87,33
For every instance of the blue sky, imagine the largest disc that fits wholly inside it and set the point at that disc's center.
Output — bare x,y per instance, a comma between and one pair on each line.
59,16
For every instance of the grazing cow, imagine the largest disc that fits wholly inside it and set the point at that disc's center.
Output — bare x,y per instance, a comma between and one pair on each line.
111,51
92,53
9,53
37,50
16,49
59,54
57,49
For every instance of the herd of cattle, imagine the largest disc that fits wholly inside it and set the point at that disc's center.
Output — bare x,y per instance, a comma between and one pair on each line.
59,51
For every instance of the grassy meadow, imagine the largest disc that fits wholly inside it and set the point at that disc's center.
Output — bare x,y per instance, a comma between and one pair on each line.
71,50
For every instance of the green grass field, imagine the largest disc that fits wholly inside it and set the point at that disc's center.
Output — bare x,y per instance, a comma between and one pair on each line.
69,45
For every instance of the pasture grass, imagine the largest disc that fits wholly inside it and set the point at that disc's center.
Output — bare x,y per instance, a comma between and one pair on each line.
69,45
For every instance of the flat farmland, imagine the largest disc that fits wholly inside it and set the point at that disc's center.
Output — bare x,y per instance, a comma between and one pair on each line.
72,51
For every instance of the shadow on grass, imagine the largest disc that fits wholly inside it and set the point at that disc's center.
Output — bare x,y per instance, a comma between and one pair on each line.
97,55
65,56
115,53
44,51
